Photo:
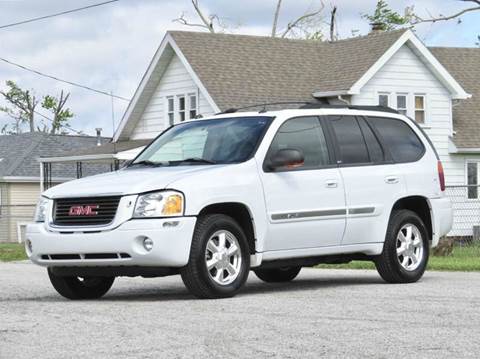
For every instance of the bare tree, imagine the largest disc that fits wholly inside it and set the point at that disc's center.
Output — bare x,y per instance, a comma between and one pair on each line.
333,20
416,19
275,18
307,23
207,22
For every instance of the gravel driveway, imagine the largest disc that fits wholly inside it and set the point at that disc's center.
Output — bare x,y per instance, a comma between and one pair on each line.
323,313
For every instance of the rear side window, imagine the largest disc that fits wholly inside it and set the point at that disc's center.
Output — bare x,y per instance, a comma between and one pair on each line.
351,142
304,134
401,141
374,148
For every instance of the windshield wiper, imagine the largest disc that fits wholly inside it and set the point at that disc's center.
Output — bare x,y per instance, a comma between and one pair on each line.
198,160
149,163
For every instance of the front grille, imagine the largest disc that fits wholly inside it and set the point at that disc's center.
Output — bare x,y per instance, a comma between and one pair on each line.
91,211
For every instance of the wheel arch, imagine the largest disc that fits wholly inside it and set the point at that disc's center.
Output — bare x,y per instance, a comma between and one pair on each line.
421,206
241,213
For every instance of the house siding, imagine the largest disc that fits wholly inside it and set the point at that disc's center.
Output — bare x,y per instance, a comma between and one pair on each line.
175,81
23,199
406,73
4,213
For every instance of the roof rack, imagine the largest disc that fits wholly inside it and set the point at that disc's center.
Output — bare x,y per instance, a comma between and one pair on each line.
311,105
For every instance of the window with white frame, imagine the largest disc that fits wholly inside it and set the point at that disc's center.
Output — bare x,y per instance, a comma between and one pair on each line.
420,108
472,180
402,104
383,99
409,104
171,110
192,99
181,108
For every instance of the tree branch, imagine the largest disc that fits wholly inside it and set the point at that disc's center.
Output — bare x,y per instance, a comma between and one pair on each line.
275,18
184,21
418,20
291,25
208,24
332,23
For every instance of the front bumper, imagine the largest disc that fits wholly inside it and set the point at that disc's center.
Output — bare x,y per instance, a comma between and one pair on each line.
171,237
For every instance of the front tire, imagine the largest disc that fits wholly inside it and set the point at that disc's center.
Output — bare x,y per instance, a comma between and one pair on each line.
278,275
81,288
219,260
406,249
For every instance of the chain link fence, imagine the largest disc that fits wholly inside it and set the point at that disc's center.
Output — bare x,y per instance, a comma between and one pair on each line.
466,212
462,244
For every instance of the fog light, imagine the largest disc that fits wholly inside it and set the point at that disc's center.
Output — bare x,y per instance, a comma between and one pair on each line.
148,244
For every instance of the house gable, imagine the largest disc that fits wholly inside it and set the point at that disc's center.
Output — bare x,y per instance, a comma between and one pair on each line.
149,86
174,82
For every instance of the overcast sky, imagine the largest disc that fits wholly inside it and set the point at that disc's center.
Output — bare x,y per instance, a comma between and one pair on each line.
109,47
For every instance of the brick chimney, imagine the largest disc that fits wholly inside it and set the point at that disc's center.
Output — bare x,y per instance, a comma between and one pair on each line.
376,27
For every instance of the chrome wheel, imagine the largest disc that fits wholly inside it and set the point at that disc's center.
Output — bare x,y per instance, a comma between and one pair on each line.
223,257
410,249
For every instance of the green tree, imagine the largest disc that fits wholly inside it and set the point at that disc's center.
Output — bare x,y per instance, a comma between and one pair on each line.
21,107
386,18
61,115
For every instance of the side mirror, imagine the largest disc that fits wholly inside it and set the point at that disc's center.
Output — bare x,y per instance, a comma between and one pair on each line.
287,158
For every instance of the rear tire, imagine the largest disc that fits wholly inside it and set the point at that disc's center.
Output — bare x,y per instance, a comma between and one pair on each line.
406,249
219,260
278,275
81,288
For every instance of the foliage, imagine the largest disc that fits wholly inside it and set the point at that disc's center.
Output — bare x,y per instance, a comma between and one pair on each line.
61,115
21,107
12,252
464,258
386,18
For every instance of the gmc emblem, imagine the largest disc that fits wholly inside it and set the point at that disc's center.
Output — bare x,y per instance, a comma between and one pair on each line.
89,210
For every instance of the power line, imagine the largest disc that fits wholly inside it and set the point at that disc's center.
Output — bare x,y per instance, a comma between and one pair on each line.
67,126
64,81
56,14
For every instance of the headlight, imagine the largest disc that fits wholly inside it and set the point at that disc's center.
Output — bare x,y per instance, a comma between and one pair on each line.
41,210
159,204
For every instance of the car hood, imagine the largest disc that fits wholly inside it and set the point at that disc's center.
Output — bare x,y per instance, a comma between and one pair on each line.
124,182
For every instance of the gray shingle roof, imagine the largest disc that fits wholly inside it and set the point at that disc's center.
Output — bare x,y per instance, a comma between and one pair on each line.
240,70
107,148
19,153
464,65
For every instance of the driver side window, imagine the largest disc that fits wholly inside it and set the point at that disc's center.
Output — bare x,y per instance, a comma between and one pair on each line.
306,135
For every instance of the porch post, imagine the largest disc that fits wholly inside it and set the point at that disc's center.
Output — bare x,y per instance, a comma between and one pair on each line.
42,187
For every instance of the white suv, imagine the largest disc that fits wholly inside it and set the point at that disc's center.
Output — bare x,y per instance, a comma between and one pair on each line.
210,199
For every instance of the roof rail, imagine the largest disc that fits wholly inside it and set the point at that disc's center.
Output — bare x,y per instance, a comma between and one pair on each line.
350,107
310,105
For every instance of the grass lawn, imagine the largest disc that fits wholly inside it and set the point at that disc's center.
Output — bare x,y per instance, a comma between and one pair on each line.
463,259
12,252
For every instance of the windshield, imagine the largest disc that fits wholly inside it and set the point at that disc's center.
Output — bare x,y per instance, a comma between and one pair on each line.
220,141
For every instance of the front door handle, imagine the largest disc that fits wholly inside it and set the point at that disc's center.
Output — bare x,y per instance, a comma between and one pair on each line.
392,179
331,184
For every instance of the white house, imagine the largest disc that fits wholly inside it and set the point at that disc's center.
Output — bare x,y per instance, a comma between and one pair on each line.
196,73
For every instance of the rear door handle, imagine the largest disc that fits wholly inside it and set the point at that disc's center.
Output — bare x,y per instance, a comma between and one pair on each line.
392,179
331,184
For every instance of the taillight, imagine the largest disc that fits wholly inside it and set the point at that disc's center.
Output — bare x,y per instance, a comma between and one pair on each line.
441,176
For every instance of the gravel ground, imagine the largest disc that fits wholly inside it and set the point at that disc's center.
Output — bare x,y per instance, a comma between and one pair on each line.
323,313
